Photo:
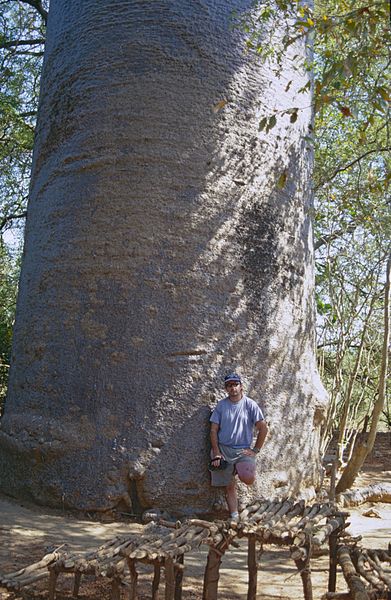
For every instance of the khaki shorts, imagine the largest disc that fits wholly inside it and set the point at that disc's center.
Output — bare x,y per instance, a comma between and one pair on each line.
237,463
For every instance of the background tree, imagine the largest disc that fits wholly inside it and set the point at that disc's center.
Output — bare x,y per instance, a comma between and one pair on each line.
353,220
22,27
21,47
360,453
9,272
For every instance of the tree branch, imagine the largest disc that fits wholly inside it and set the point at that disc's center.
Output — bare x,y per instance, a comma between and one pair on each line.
37,4
13,43
351,164
11,217
326,239
31,113
27,53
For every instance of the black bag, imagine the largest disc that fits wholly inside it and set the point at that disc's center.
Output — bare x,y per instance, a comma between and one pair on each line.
221,466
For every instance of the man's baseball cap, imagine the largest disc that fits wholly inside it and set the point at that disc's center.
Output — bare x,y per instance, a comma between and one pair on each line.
232,377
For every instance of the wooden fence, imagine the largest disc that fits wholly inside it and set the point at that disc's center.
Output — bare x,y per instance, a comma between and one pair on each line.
301,529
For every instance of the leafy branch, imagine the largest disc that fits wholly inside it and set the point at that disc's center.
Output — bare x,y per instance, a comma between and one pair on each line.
11,217
37,4
352,163
344,46
15,43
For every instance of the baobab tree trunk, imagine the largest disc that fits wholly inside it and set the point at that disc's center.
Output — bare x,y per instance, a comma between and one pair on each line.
168,241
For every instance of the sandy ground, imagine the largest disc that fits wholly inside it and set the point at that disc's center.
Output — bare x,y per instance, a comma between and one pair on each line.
28,532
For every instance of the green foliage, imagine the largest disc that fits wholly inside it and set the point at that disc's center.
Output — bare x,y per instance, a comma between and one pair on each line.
348,46
9,273
21,50
352,229
350,292
356,40
353,221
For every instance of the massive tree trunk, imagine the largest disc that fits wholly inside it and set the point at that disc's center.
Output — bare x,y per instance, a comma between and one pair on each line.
162,250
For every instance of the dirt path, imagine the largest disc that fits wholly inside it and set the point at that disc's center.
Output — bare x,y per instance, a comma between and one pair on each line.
28,532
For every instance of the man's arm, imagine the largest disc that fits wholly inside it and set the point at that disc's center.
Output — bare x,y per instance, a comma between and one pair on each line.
214,440
261,426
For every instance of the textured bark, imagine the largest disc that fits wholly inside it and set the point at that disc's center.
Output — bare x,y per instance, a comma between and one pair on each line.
160,253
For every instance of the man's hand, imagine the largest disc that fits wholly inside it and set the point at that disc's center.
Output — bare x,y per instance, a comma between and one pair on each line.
248,452
215,461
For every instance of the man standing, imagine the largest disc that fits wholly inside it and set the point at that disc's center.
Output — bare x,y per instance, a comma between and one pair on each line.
231,434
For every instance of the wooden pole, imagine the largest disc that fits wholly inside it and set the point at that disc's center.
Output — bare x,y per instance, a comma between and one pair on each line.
76,584
252,565
115,589
356,586
52,584
333,541
156,580
170,579
304,567
333,479
179,577
212,572
305,574
133,579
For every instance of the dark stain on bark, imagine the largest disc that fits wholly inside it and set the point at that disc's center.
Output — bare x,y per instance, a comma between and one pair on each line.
60,129
259,230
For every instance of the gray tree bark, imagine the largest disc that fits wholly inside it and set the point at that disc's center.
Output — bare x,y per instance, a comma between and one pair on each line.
160,253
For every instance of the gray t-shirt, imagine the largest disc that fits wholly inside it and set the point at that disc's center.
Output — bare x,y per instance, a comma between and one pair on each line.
236,421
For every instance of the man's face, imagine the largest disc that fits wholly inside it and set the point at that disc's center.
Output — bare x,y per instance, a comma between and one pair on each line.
234,390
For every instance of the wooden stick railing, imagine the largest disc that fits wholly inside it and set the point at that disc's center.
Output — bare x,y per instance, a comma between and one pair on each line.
284,523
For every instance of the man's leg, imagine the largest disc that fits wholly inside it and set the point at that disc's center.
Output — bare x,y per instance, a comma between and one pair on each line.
232,498
246,471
